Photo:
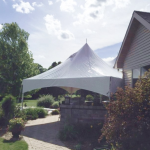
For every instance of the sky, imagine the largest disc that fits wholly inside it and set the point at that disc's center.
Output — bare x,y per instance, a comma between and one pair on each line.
59,28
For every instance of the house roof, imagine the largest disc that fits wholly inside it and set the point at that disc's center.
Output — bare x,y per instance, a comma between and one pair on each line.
144,15
137,18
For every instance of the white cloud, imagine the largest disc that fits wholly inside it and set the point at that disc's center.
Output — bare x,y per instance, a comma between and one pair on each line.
23,7
147,8
104,24
39,57
4,1
121,4
50,2
108,59
67,5
37,4
88,31
65,35
1,26
54,27
93,10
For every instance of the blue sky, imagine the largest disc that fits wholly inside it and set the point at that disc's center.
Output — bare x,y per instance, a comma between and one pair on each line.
59,28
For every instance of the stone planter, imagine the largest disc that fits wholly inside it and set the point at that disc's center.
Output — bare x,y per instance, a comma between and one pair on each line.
89,103
16,134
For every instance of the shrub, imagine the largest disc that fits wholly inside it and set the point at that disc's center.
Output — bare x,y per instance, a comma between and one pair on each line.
19,113
8,106
61,98
128,118
55,112
40,112
55,105
25,105
45,101
31,114
89,98
78,147
68,132
2,119
27,97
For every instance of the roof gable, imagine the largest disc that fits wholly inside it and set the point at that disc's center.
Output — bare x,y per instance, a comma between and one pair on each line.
144,15
137,18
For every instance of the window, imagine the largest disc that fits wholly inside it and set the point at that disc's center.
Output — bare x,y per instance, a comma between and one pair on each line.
136,73
135,76
144,69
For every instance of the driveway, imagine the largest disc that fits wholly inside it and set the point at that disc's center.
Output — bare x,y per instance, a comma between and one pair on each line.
42,134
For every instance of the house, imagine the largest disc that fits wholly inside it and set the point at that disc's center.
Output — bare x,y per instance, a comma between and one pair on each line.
134,54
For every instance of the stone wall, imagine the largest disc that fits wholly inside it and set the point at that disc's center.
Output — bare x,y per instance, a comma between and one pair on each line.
82,114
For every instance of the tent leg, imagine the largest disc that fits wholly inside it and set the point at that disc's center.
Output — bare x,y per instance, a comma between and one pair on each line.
109,89
20,94
22,99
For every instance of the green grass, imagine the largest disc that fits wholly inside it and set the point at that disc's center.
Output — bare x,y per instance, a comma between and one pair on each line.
16,145
29,103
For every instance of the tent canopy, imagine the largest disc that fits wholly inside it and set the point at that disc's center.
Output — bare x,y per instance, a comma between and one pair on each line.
82,70
111,62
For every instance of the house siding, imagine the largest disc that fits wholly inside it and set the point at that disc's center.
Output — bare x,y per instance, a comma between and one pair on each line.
127,77
138,54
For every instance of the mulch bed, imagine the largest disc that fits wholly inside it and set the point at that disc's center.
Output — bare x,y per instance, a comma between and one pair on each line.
87,144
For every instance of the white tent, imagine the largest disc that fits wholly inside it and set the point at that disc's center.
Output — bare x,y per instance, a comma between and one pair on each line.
82,70
111,62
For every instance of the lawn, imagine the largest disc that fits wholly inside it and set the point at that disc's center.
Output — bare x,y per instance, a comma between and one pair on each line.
16,145
29,103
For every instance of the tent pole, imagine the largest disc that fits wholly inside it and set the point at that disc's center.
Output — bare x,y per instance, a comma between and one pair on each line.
20,94
109,88
22,97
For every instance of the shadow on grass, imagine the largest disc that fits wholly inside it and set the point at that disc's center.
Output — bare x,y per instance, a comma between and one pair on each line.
12,140
3,131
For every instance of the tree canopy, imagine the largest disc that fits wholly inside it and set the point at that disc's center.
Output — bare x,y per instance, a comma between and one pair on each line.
54,64
16,61
41,69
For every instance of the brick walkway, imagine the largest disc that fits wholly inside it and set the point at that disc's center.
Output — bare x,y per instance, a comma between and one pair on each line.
42,134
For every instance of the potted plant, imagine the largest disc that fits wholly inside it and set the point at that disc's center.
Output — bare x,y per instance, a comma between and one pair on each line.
89,100
16,125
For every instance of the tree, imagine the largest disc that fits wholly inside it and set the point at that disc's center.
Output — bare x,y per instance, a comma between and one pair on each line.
55,91
54,64
16,62
127,125
84,93
59,63
41,69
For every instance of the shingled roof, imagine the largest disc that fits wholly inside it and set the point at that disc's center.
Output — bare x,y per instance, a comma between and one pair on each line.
144,15
137,18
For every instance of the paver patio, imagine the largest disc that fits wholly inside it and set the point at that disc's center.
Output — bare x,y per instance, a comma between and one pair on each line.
42,134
